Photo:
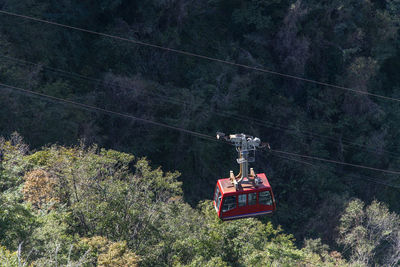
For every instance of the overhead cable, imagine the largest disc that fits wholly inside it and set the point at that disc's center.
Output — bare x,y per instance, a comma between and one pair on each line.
90,107
334,161
218,112
182,52
204,136
363,177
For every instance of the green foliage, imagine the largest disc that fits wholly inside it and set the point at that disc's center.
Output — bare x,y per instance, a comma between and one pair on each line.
320,253
9,259
12,165
53,236
372,233
253,14
107,215
97,185
106,253
199,237
117,196
16,218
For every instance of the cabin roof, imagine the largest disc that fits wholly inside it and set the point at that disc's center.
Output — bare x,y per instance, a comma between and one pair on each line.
227,187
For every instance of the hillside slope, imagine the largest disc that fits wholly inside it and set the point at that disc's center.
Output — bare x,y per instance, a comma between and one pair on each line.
86,206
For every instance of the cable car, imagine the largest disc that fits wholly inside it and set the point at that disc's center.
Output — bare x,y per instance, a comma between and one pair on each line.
247,194
249,201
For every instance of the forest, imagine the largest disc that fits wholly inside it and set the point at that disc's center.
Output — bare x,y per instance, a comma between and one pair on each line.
102,186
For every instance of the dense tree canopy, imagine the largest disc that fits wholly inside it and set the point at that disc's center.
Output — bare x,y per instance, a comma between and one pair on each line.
352,44
95,207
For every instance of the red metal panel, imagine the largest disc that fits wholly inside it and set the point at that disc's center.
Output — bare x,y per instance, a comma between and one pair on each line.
215,204
228,189
247,211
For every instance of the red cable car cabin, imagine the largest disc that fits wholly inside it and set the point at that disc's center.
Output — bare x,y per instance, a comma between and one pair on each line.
248,200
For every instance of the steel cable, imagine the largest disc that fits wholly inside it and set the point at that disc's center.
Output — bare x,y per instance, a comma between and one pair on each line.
198,56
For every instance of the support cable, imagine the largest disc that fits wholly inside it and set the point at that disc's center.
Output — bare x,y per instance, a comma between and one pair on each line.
90,107
200,135
221,113
363,177
334,161
199,56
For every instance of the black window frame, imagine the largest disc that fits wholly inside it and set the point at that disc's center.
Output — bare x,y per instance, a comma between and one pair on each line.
232,205
270,198
248,199
216,194
245,202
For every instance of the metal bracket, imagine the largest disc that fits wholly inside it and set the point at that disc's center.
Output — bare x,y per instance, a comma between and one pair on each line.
246,146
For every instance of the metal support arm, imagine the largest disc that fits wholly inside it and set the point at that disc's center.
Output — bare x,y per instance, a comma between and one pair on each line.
246,146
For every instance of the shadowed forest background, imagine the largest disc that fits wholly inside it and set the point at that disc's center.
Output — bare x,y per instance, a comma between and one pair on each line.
326,210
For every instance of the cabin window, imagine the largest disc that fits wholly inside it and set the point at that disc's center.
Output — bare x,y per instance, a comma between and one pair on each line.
264,198
242,200
218,201
252,198
216,194
229,203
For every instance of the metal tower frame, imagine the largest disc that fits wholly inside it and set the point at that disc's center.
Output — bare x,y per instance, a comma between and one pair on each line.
245,146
